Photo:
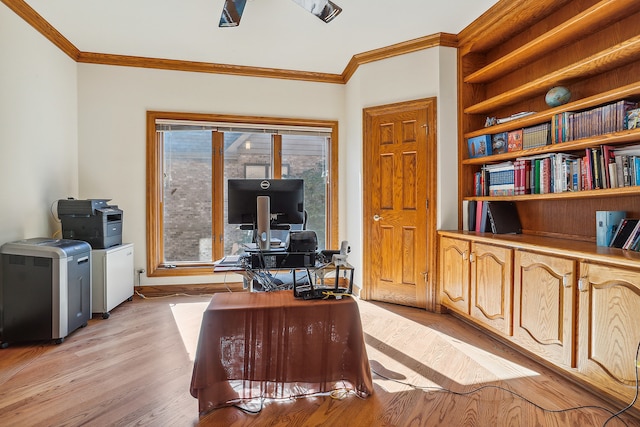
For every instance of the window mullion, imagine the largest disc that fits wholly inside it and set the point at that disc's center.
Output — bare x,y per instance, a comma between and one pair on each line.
217,198
276,156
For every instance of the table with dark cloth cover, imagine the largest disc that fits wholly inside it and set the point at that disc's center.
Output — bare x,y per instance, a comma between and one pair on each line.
272,345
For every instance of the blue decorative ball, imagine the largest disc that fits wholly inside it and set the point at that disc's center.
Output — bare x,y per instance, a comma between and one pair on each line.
557,96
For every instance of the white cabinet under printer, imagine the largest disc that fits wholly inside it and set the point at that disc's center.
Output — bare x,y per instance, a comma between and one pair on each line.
112,277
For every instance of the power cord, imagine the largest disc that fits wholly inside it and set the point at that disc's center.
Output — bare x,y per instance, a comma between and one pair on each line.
635,398
171,295
478,389
336,394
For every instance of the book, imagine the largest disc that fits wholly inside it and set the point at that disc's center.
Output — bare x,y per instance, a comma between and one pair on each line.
501,179
514,140
478,215
471,215
483,225
479,146
536,136
623,232
632,237
499,143
503,217
606,224
632,119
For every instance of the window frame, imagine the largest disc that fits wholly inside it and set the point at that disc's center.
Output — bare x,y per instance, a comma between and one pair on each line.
155,240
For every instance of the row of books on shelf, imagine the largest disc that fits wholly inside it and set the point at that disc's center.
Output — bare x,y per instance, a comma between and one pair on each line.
616,230
504,142
563,127
598,168
609,118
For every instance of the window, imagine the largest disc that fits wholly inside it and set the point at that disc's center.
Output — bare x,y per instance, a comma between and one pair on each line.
189,159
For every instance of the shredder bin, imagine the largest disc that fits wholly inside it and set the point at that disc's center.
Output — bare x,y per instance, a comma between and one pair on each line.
45,289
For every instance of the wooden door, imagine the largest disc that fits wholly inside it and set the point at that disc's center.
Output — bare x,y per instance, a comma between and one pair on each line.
454,273
608,332
544,306
491,284
399,204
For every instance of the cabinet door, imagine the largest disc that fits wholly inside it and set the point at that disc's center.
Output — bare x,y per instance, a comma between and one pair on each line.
609,327
491,285
543,306
454,274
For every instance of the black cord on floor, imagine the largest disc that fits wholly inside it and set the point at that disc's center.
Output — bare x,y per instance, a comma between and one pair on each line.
478,389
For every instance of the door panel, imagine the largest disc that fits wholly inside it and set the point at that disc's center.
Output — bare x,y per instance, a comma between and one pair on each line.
544,306
399,182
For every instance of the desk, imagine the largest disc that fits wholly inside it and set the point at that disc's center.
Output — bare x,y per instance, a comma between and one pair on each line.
322,276
272,345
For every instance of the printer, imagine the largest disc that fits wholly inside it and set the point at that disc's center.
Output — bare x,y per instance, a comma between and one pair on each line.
93,221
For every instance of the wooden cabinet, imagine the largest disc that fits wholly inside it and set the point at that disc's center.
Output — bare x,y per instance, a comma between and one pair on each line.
453,273
491,286
609,327
544,306
510,57
572,306
476,281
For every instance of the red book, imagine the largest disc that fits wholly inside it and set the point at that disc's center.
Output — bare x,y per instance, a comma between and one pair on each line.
479,215
588,169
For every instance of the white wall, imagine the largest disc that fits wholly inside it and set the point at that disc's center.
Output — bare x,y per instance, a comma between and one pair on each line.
38,129
424,74
112,127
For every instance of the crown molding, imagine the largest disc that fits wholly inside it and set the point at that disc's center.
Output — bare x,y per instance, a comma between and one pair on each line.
26,12
426,42
41,25
205,67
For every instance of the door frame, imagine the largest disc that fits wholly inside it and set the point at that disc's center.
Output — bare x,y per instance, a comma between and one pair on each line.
429,300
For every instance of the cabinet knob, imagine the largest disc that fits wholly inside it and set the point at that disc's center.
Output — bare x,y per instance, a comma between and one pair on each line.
565,280
582,284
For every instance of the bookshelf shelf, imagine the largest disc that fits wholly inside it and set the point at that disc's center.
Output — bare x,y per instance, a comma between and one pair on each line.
585,194
595,17
607,59
628,91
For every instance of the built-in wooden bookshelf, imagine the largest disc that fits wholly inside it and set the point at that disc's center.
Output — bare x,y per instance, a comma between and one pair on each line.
591,47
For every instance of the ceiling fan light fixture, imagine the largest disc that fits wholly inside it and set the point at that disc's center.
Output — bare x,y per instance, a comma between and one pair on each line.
324,9
231,13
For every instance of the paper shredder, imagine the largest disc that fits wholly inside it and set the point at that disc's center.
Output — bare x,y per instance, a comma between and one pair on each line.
45,289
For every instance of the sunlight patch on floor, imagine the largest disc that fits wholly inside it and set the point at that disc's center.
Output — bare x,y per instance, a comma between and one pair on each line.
188,318
427,351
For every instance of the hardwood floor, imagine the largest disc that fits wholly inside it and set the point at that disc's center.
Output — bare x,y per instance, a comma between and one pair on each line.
135,369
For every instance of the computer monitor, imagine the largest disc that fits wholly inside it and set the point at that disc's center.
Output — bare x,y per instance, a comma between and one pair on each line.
286,200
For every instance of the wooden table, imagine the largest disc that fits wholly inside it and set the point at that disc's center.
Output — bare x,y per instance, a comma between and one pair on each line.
272,345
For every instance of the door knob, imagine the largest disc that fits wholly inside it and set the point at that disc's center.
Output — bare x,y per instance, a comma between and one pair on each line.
377,217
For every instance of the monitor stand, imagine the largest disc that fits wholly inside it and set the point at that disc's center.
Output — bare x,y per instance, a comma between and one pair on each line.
263,235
